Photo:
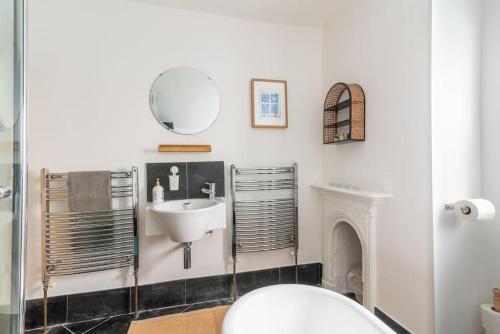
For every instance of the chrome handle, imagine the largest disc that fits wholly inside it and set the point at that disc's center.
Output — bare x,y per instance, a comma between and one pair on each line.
211,185
5,192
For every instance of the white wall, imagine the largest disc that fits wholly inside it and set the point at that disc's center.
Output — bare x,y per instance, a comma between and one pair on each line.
91,64
490,113
489,273
385,47
460,268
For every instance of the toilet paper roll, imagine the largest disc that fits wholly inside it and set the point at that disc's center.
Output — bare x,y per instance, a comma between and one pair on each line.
474,209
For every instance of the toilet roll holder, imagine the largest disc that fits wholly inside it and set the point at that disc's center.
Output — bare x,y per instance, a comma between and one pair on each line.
466,210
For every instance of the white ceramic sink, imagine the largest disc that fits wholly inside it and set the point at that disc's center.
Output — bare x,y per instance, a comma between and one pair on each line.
189,220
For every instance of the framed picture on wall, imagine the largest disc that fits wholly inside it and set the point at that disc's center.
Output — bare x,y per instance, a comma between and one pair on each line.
269,103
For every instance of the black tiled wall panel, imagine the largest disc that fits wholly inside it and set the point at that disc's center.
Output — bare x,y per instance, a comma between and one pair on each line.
192,177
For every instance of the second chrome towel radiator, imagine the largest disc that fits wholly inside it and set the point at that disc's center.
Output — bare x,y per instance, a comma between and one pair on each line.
265,212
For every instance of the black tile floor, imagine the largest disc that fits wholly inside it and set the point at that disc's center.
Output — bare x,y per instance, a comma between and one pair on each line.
120,324
107,311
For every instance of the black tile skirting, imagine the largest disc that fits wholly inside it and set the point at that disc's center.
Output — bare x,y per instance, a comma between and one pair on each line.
110,311
390,322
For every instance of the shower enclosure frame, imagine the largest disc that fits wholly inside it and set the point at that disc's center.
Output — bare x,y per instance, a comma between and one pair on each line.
16,188
20,19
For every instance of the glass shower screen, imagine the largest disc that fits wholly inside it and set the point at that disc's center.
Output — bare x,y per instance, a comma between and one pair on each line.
12,166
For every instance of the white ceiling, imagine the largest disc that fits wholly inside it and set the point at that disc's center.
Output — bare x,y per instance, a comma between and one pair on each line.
297,12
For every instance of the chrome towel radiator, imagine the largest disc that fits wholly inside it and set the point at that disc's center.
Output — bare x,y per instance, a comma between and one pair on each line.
265,212
88,241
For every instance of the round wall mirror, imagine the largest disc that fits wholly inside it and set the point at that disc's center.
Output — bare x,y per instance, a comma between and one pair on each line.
184,100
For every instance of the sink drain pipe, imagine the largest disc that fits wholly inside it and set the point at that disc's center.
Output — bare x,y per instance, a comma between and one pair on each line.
187,255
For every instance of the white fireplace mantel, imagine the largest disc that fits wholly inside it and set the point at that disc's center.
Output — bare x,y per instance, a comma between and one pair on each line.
361,194
358,208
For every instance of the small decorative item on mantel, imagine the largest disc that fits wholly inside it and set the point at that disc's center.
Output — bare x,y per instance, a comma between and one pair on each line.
269,103
344,114
496,300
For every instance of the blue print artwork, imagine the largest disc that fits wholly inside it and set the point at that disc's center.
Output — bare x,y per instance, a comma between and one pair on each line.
270,105
264,104
264,109
275,110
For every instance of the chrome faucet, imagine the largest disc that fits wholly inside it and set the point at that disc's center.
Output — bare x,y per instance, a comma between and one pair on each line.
210,191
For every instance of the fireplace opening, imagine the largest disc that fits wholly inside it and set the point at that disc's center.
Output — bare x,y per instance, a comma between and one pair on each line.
347,262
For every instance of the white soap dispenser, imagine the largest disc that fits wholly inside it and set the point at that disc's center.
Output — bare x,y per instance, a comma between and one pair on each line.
174,178
158,193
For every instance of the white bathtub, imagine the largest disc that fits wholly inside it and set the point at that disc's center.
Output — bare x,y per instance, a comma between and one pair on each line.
299,309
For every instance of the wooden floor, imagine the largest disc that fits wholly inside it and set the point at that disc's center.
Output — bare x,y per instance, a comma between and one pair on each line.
206,321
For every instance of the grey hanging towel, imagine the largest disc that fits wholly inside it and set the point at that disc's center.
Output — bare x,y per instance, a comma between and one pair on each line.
89,191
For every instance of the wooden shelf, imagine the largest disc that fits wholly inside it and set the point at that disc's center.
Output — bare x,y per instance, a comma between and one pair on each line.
184,148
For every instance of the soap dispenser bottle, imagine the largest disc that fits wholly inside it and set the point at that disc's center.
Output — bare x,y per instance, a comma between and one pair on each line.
158,193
